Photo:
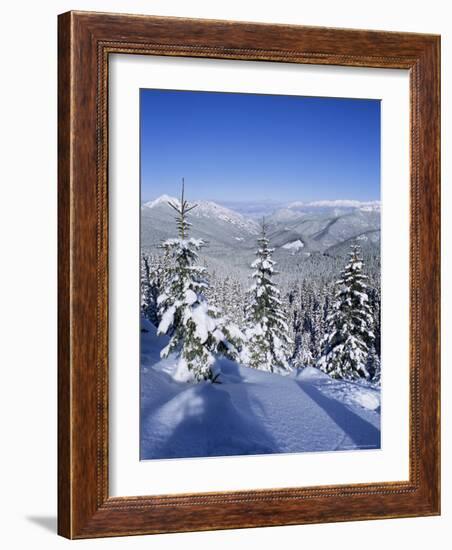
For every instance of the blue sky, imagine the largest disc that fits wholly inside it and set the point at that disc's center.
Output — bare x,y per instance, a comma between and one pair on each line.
249,147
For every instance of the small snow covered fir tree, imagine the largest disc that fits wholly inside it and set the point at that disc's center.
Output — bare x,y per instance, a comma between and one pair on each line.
349,336
303,355
145,280
374,366
197,330
153,273
266,328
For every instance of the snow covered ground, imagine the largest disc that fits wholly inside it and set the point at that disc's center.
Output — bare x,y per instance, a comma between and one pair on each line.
294,245
249,411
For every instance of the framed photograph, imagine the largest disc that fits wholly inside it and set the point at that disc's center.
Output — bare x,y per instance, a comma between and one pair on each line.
249,270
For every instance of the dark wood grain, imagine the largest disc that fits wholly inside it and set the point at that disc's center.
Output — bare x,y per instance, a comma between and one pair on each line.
85,42
64,295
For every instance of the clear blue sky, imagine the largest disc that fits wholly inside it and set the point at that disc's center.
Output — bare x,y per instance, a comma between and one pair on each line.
246,147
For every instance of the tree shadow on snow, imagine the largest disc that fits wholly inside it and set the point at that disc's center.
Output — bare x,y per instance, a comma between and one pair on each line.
360,431
213,428
229,372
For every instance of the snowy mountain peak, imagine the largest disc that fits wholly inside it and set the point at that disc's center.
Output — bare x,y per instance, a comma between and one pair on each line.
163,199
211,210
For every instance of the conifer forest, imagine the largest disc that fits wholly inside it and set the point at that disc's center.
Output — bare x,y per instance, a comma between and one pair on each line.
249,319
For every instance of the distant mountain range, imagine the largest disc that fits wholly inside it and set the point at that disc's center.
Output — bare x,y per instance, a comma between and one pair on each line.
296,230
267,208
208,210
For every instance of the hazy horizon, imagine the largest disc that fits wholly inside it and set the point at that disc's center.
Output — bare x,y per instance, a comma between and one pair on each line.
255,209
269,202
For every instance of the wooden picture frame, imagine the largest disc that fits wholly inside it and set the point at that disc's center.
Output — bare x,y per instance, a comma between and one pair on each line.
85,42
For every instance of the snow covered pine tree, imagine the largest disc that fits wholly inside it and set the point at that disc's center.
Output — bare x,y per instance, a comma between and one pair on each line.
152,280
196,328
349,336
266,329
374,366
145,280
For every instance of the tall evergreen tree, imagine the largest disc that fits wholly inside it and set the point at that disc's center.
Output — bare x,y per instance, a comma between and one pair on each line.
145,283
374,366
268,343
349,333
303,355
153,273
237,303
292,311
375,303
196,328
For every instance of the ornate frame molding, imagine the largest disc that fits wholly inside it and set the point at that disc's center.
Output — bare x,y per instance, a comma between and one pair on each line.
85,42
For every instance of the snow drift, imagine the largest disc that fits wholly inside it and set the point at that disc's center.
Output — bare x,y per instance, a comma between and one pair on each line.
247,411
